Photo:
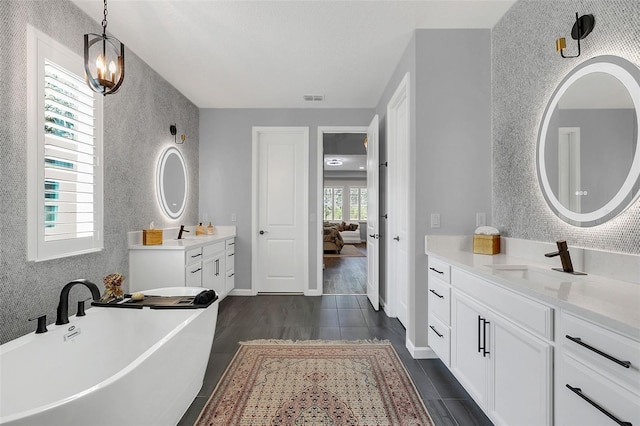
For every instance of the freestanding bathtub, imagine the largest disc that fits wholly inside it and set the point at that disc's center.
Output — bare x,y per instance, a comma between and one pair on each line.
110,367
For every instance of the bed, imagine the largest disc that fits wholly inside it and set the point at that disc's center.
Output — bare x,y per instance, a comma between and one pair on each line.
332,240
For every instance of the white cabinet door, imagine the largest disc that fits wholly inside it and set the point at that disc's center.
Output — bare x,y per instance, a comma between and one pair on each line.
469,346
208,270
219,282
520,382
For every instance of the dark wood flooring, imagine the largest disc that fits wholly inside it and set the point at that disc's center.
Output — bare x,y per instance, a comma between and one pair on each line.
330,317
345,275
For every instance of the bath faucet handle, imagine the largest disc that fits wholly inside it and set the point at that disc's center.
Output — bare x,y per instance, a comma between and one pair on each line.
42,323
80,312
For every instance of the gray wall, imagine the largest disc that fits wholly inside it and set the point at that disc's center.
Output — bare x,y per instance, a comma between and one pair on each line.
526,71
450,142
136,129
225,170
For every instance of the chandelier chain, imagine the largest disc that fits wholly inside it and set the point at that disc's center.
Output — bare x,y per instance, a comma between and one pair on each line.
104,21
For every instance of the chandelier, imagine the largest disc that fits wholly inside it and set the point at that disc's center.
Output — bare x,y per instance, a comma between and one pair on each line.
103,60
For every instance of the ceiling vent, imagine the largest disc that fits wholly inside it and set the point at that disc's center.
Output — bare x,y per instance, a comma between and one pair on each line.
313,98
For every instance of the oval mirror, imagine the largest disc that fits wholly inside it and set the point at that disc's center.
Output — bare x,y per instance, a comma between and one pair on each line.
172,183
588,158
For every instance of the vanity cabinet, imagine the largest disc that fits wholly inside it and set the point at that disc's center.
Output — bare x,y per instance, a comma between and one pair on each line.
439,303
213,268
597,375
500,350
230,272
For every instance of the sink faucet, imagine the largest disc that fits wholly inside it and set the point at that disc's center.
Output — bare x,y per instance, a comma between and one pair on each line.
565,258
63,304
181,231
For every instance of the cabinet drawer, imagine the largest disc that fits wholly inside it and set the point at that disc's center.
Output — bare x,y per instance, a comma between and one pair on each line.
440,300
213,249
194,255
230,281
528,313
230,243
439,269
603,348
193,276
439,339
573,409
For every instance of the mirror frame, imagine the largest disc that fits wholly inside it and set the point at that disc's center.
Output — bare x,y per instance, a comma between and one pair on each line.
629,75
160,178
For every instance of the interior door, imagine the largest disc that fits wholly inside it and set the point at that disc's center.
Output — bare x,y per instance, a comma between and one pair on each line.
281,229
373,215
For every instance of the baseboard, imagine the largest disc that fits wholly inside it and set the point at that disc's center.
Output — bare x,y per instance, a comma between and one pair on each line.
420,352
314,292
242,292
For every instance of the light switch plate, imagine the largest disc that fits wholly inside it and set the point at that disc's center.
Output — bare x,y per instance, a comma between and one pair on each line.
481,219
233,217
435,220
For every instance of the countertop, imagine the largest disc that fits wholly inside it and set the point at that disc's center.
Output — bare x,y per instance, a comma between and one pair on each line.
191,241
612,303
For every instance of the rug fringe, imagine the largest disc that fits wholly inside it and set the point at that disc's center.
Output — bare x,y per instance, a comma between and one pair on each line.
315,342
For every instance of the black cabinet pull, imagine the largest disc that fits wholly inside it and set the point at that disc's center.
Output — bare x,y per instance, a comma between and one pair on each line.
435,331
625,364
485,352
435,270
231,254
196,270
199,254
578,392
440,296
479,333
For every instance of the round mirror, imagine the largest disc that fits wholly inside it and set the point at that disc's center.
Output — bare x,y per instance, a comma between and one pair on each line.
172,183
588,156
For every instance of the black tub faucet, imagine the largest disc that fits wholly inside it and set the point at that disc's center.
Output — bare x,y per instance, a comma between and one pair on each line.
565,258
63,305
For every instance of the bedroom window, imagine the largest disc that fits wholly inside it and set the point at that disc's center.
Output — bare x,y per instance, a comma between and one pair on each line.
64,148
357,203
333,203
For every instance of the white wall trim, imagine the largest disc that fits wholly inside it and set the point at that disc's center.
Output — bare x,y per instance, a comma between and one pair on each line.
421,352
313,292
242,292
320,189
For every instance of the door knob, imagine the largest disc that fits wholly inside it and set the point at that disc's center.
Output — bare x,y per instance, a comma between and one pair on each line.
262,232
397,238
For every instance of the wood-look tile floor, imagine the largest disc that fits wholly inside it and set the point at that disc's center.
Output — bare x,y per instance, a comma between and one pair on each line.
330,317
345,275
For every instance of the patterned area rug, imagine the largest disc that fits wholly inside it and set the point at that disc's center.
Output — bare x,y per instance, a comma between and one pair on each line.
315,383
348,250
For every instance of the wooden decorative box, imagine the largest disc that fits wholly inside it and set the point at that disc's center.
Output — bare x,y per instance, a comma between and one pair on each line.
486,244
151,237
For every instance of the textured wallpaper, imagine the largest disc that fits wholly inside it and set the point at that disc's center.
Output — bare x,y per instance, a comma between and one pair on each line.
526,71
136,130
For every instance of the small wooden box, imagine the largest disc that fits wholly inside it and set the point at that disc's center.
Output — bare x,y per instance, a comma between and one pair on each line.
486,244
151,237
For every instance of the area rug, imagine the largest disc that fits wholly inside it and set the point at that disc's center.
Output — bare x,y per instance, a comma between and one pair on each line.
348,250
315,383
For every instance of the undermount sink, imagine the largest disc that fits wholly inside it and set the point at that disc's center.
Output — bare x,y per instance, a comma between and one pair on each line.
520,271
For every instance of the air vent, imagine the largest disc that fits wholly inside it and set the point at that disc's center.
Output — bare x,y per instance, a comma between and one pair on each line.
313,98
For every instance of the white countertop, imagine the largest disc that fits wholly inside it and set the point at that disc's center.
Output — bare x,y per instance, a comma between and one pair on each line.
612,303
169,241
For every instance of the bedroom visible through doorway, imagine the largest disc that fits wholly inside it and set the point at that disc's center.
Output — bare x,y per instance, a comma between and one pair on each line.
344,213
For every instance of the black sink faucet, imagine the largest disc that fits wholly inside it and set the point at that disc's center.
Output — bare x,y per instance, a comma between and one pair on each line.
181,231
63,305
565,258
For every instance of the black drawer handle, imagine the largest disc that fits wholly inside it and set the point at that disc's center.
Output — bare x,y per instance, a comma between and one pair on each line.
435,331
232,274
231,244
435,270
199,254
578,392
625,364
196,270
232,254
440,296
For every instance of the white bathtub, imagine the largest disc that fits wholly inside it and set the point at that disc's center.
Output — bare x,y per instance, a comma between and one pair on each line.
123,367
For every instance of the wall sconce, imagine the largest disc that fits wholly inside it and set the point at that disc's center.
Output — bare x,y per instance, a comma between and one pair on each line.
107,75
581,29
174,131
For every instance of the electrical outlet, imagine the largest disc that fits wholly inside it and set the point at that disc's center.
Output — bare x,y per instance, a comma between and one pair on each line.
481,219
233,217
435,220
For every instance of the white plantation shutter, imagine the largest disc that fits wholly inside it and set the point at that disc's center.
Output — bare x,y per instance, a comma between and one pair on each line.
65,146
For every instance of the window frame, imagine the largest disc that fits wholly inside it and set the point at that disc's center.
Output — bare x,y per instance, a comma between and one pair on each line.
359,205
333,202
40,47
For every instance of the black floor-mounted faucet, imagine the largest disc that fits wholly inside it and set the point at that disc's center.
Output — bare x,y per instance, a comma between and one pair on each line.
63,305
565,258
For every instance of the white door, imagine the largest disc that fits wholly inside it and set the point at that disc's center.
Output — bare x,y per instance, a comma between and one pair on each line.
281,248
373,216
397,237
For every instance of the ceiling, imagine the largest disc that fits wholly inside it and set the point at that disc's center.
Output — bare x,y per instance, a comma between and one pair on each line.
355,163
268,54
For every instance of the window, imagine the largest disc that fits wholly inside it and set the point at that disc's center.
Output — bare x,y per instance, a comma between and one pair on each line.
64,149
333,203
357,203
